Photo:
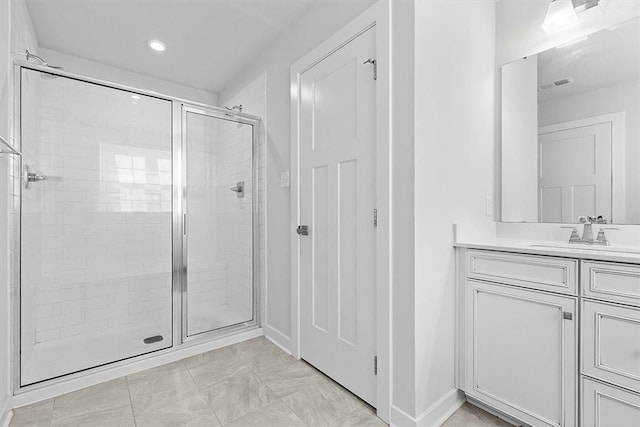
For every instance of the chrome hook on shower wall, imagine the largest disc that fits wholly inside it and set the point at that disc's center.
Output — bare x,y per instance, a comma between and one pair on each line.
235,108
30,55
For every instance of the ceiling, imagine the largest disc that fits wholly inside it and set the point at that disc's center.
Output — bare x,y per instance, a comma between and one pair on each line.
603,59
208,41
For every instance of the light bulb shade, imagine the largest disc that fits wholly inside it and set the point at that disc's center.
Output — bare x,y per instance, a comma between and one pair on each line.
560,15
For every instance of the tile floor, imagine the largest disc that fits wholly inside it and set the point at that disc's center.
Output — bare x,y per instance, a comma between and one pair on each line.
252,383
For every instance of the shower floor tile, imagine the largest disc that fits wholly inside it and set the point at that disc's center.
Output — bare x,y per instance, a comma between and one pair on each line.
241,390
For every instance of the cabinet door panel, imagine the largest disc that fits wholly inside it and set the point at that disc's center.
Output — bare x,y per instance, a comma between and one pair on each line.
607,406
611,343
522,353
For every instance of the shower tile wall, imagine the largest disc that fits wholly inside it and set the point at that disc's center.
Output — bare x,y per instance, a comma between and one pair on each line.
235,164
96,236
206,274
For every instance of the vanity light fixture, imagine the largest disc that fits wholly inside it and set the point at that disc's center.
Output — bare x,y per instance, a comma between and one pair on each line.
560,15
157,45
563,14
582,5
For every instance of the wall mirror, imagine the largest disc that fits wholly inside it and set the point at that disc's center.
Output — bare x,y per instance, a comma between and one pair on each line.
571,131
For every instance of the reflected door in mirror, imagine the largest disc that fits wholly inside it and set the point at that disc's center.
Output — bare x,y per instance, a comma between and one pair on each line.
574,171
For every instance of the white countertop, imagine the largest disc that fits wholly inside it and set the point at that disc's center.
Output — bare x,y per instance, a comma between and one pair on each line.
554,248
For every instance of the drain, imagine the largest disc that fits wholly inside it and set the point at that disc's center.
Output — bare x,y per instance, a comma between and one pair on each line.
151,340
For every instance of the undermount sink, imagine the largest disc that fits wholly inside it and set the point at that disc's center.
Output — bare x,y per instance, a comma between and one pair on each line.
582,247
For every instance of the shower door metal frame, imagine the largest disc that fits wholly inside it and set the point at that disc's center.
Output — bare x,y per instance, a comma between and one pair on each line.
221,114
178,267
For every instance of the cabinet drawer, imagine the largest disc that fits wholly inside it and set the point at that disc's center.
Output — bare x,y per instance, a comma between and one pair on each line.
607,406
611,343
536,272
616,282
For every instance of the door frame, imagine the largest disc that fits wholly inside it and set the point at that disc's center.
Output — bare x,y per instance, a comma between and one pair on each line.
618,139
376,18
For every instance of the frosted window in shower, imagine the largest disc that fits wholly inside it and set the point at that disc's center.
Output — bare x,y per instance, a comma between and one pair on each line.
96,252
220,224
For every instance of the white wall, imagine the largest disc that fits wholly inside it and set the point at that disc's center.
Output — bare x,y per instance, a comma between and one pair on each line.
454,174
520,140
5,86
317,24
623,97
101,71
403,355
16,35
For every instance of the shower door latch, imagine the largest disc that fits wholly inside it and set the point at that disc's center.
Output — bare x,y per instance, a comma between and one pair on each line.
239,189
303,230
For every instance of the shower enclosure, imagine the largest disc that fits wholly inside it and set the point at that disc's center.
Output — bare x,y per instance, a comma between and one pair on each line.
137,223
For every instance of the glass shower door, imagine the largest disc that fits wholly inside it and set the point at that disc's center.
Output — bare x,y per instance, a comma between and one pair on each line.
219,232
96,225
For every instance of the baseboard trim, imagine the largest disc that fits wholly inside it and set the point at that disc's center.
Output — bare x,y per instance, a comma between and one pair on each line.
400,418
434,416
278,338
5,412
440,411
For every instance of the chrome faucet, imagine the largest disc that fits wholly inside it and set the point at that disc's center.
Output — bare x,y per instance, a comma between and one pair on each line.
587,232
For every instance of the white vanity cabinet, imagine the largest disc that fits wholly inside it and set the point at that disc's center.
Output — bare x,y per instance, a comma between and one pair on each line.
522,318
610,344
521,344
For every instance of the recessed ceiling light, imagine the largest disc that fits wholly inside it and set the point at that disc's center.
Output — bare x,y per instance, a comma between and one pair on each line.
135,97
157,45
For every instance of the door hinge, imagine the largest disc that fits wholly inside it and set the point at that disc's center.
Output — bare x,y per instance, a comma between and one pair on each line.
184,224
373,62
375,365
567,316
375,217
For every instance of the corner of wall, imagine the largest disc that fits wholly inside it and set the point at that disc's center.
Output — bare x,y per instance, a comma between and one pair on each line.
6,413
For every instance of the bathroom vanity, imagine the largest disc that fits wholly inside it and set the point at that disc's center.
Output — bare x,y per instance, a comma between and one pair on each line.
549,320
549,334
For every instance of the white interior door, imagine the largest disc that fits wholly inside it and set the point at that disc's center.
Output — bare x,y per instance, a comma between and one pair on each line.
575,173
337,202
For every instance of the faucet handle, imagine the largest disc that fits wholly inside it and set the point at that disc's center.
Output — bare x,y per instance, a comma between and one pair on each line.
601,237
574,234
601,220
584,219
